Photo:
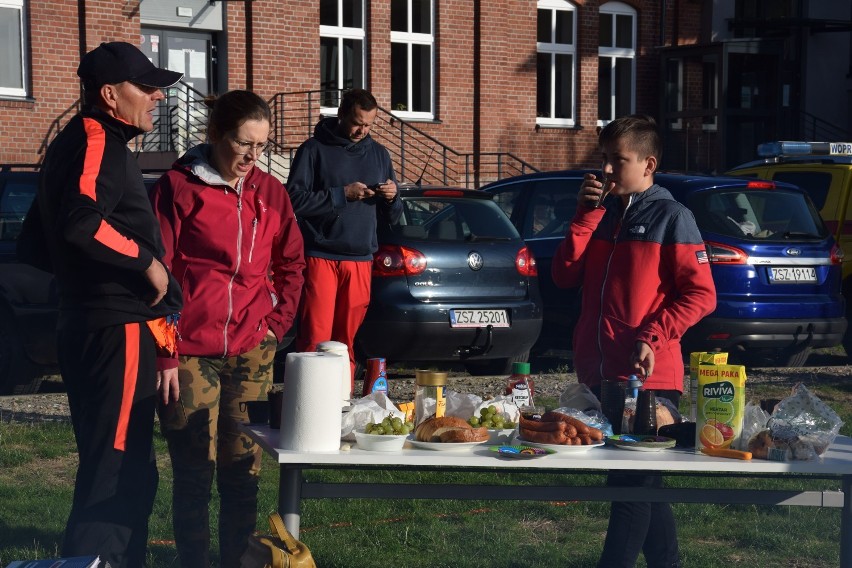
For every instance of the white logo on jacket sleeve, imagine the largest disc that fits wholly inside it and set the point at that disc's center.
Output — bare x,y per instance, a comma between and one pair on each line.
701,255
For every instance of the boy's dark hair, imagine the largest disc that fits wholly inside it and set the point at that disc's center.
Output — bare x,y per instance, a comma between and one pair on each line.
356,97
640,131
232,109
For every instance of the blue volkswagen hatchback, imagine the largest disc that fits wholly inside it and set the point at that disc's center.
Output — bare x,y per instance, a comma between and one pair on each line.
776,267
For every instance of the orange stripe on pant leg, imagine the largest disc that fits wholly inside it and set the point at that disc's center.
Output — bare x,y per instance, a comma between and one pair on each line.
131,373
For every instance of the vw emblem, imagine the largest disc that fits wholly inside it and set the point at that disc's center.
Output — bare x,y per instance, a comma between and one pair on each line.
474,260
793,252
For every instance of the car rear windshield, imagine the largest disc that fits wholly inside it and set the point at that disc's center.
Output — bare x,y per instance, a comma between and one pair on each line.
453,219
761,215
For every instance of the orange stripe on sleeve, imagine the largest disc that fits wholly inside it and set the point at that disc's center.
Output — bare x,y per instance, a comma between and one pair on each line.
111,238
95,142
131,374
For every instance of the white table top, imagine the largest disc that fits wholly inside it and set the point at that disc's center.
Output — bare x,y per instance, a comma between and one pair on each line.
836,461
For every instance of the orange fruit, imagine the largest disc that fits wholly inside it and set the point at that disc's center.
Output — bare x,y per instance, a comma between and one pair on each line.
711,437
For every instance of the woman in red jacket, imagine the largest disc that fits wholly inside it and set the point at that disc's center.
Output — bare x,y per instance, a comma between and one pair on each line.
232,241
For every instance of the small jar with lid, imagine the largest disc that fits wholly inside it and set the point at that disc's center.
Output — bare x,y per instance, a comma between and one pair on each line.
429,398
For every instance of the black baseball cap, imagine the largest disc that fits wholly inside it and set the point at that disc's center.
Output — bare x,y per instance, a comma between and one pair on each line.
118,61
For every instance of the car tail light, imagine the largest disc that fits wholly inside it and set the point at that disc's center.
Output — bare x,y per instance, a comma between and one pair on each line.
525,263
719,336
395,260
724,254
760,184
837,255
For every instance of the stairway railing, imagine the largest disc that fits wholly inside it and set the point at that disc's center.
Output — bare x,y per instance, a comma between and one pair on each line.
417,155
181,122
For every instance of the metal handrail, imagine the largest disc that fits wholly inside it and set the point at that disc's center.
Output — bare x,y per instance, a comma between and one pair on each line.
417,155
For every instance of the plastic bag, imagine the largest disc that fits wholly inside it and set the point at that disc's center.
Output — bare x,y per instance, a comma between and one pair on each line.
372,408
579,396
662,419
754,421
593,418
461,405
805,423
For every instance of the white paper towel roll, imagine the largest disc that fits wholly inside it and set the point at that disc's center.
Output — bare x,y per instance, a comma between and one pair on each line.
311,418
346,374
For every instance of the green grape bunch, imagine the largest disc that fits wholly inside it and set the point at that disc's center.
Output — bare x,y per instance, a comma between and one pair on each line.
490,418
390,426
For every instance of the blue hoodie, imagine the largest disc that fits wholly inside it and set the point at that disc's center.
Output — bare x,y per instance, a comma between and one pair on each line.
332,227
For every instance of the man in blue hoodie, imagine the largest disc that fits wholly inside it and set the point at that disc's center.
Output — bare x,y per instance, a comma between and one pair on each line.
341,180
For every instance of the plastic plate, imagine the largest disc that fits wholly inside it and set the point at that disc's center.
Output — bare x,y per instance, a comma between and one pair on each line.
641,443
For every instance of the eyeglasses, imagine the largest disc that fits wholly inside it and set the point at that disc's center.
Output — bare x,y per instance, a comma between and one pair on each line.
258,149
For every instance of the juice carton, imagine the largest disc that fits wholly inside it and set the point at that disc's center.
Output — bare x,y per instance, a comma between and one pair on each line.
721,403
695,359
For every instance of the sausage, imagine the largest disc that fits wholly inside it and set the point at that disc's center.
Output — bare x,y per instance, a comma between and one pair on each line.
554,437
586,440
596,435
540,426
582,429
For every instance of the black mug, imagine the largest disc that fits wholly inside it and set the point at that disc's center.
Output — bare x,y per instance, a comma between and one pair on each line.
612,403
645,421
257,410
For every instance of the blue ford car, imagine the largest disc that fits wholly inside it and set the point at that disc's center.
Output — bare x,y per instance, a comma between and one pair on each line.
776,267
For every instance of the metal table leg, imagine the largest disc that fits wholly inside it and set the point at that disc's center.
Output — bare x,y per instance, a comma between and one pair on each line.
290,497
846,524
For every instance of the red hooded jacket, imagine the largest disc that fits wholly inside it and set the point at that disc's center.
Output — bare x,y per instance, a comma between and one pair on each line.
238,254
645,277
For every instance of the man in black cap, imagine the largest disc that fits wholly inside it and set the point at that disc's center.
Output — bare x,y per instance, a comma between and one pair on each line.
92,226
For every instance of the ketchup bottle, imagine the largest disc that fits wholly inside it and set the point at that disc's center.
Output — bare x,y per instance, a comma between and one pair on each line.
520,386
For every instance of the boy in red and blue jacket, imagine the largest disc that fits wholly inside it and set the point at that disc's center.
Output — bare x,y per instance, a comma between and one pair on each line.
646,279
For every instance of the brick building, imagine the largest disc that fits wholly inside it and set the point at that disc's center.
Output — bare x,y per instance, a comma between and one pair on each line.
519,82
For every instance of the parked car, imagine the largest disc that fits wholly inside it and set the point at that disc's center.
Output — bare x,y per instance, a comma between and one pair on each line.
28,297
777,282
824,170
452,282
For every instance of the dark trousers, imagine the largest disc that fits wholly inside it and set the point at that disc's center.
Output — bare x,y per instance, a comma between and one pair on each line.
634,527
110,377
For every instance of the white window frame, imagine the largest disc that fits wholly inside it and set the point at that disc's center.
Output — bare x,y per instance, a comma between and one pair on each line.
616,9
10,91
341,33
410,39
551,48
677,124
712,126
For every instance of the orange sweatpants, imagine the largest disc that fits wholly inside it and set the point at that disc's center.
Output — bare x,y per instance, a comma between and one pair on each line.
334,302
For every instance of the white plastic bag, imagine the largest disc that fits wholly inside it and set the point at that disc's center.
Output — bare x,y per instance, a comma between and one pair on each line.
372,408
579,396
460,405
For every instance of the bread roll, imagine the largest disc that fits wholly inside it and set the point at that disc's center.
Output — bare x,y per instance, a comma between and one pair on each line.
462,435
430,429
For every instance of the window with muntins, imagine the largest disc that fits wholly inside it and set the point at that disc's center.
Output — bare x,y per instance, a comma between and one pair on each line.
412,58
341,49
13,69
555,62
616,61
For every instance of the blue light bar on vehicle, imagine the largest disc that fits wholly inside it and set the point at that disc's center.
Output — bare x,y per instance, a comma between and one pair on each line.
794,148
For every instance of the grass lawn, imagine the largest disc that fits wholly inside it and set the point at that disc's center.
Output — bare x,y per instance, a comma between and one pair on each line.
38,461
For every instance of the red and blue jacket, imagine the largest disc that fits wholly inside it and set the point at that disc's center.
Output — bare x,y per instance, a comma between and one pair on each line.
645,277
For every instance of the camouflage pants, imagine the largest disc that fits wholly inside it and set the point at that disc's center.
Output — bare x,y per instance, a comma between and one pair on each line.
203,438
